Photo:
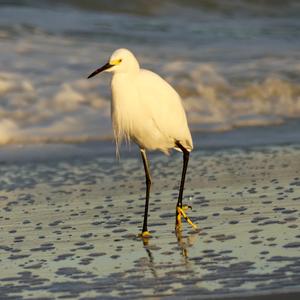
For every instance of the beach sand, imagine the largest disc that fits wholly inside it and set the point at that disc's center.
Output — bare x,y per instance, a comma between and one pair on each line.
70,212
69,225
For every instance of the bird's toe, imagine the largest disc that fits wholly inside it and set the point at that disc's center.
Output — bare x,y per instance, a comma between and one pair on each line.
181,212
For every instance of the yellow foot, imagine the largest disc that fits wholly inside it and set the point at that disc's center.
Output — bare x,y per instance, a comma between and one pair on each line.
145,234
180,212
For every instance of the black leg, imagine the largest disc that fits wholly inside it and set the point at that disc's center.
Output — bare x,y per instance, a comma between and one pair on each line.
186,155
180,210
148,185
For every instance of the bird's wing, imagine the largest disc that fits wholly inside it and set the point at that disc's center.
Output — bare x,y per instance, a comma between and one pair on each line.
164,106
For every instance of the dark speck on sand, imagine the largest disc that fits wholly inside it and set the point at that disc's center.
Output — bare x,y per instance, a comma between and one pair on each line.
58,242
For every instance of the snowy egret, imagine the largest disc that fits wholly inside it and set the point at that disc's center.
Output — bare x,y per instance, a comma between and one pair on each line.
148,111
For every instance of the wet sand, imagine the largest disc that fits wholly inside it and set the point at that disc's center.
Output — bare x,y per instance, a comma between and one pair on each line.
69,227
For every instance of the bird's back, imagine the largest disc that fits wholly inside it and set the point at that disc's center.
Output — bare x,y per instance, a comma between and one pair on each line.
165,108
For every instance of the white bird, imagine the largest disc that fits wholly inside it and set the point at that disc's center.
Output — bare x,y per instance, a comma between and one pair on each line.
147,110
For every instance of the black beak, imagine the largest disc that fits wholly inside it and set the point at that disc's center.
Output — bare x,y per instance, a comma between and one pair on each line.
103,68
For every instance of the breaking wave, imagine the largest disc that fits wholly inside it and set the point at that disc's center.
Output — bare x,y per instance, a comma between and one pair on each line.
234,64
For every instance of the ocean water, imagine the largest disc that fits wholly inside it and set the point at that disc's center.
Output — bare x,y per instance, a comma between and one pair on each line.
235,63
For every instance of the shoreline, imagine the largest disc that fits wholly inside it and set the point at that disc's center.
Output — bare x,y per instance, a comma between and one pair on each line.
239,138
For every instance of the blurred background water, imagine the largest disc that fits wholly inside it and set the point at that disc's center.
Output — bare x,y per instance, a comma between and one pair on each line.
235,63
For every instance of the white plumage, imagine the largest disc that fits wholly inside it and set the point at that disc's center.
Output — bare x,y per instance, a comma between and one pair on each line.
146,109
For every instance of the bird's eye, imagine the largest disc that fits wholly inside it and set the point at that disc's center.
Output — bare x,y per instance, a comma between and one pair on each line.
120,60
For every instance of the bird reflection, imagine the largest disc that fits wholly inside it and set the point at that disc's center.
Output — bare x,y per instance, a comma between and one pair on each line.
184,243
150,256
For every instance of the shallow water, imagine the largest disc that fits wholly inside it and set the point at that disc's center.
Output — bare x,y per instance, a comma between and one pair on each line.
70,213
69,227
234,64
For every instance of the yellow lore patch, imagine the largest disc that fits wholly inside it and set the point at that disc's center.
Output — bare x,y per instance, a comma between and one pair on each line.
115,62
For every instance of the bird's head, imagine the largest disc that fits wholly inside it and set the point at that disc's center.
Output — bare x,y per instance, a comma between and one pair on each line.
121,61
